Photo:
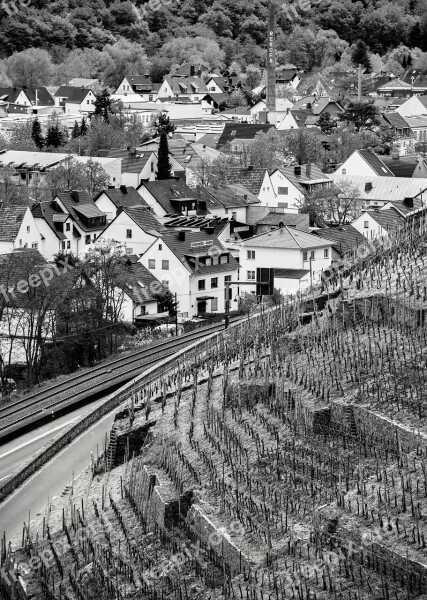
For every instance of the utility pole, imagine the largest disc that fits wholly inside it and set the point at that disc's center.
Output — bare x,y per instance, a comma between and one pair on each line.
271,64
176,315
227,305
359,83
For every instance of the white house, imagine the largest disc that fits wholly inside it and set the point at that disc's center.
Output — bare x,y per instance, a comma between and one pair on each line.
140,85
18,229
136,228
169,197
230,201
415,106
378,224
195,266
288,122
194,89
286,187
136,165
111,200
365,163
298,258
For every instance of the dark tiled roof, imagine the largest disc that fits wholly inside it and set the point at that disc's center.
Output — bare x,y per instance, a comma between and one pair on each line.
190,69
131,163
375,163
388,219
290,273
402,166
300,221
415,77
396,120
183,250
10,221
10,94
344,238
210,139
44,97
19,265
121,198
184,86
72,94
251,179
46,211
167,190
84,206
232,195
144,218
241,131
132,275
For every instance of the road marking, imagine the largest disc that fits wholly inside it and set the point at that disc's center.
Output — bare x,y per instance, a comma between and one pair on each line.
39,437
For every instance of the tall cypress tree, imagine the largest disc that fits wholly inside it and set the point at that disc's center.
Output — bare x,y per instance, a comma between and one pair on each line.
36,134
55,137
83,127
103,105
163,166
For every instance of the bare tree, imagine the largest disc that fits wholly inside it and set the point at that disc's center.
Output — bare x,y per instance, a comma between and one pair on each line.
338,204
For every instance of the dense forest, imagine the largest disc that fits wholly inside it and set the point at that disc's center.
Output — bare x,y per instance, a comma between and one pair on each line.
104,38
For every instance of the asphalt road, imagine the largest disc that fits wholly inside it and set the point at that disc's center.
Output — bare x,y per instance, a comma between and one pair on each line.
54,477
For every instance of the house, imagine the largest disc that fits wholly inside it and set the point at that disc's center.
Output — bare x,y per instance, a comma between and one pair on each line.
290,121
416,79
222,85
345,239
190,70
408,208
84,82
111,200
140,85
136,166
13,95
18,228
286,187
377,191
195,267
298,258
288,77
75,100
416,106
241,114
68,223
236,136
318,106
250,178
395,88
283,105
192,89
418,126
140,292
378,224
364,163
230,201
406,166
173,197
135,228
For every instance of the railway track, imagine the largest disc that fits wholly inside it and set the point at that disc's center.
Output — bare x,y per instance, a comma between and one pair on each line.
85,385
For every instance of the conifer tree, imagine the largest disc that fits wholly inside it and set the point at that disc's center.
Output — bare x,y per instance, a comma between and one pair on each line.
83,127
163,167
55,137
36,134
103,105
76,131
360,56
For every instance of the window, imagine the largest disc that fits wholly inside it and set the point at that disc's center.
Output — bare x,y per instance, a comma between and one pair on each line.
304,256
234,215
151,263
129,234
67,226
283,204
251,254
35,245
63,245
344,171
160,247
214,304
150,97
326,253
28,229
283,191
312,255
165,265
87,239
366,224
68,245
152,167
202,284
251,275
208,261
214,282
223,260
227,279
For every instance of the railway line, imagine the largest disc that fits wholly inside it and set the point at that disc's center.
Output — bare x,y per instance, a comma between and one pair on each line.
57,397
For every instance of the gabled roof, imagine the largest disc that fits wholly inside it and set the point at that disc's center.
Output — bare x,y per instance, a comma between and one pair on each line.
241,131
314,174
131,162
11,218
144,218
404,166
396,120
84,82
345,238
132,275
394,84
72,94
276,219
187,254
416,121
168,192
231,196
10,94
190,69
184,86
415,77
389,220
44,97
85,207
249,178
19,265
384,189
375,163
286,74
47,212
402,209
238,110
210,139
286,238
123,197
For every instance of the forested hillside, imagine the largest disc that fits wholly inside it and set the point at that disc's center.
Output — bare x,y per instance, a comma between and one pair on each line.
103,39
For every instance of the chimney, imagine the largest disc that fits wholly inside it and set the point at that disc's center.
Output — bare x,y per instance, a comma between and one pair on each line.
192,71
297,170
209,230
132,151
181,236
368,186
75,196
308,170
250,167
408,202
123,189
